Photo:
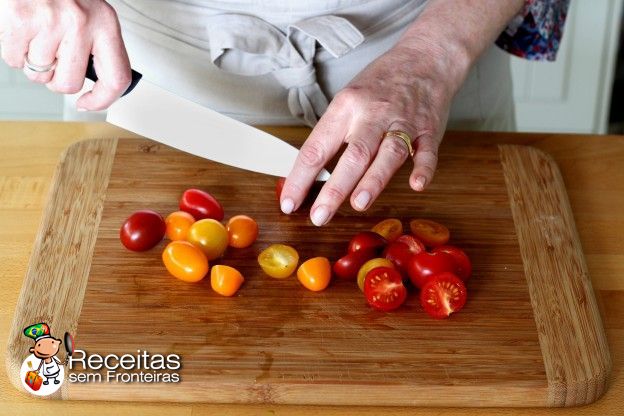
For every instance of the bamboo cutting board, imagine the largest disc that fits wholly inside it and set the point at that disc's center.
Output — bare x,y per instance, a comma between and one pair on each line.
530,334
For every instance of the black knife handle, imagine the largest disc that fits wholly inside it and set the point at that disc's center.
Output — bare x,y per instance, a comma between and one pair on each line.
136,76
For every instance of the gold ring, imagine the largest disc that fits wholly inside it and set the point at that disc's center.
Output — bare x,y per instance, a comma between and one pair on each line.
403,136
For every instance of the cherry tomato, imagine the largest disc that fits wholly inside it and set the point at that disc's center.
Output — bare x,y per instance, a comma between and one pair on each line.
370,265
399,254
225,280
366,240
390,229
425,265
415,246
178,225
201,205
315,274
384,289
279,260
142,230
347,266
463,266
279,185
430,232
209,235
443,295
185,261
242,231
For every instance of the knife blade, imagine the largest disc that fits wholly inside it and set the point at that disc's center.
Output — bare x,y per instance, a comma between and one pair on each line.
153,112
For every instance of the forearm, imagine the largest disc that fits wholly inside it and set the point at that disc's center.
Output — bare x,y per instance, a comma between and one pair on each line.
452,34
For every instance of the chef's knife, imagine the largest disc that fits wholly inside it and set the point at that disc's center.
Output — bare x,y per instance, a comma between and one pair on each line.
160,115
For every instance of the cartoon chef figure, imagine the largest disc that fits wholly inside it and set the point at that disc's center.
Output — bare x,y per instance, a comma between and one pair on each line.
46,347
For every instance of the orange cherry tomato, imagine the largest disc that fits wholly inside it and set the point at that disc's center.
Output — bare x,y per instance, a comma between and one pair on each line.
225,280
315,274
242,231
279,260
390,229
431,233
178,225
370,265
185,261
210,236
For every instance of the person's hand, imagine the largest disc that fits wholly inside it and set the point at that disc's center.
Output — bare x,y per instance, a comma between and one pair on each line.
66,32
398,91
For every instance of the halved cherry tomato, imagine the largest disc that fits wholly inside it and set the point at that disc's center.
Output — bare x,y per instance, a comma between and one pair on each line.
315,274
279,260
347,266
178,225
431,233
399,254
443,295
366,240
390,229
463,267
142,230
370,265
242,231
185,261
425,265
225,280
384,289
201,205
415,246
209,235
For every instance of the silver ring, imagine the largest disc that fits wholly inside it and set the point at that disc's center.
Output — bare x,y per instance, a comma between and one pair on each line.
38,68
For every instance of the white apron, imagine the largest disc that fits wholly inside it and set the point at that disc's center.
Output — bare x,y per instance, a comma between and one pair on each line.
278,62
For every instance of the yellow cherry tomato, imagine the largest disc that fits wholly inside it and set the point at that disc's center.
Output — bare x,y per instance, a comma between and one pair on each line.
370,265
315,274
390,229
178,225
242,231
279,260
185,261
225,280
210,236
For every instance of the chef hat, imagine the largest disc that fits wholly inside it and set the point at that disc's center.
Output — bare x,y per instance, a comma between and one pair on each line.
38,331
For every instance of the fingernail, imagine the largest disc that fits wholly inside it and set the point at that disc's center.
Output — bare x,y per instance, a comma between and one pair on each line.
320,215
287,206
361,201
80,109
420,183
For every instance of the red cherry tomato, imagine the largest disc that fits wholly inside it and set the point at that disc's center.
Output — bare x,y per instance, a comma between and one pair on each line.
201,205
347,267
443,295
424,265
412,242
431,233
142,230
399,254
463,266
383,289
366,240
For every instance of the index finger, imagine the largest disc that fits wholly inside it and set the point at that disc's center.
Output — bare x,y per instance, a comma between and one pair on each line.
320,146
112,66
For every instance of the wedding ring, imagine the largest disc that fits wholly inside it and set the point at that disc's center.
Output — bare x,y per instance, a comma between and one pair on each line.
38,68
403,136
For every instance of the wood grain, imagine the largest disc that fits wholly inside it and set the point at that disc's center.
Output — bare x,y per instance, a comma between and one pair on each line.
572,339
59,268
278,340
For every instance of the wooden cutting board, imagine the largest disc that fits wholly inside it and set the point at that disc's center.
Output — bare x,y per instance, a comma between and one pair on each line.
530,334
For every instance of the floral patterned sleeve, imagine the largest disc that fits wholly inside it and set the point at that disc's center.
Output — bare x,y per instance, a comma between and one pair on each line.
535,33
